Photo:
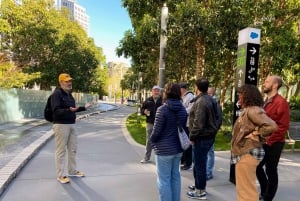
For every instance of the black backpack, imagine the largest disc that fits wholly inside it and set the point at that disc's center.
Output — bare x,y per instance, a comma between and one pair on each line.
48,113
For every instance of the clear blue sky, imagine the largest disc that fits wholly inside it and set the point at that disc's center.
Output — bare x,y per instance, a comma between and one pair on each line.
108,23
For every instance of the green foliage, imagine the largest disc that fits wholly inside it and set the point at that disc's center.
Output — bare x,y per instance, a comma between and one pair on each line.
205,34
227,113
295,102
295,115
295,108
45,41
12,77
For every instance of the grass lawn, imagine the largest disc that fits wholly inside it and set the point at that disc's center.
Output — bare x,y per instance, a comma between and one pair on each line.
137,130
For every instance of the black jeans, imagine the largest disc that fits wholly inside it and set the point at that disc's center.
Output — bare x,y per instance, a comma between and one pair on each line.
268,177
200,150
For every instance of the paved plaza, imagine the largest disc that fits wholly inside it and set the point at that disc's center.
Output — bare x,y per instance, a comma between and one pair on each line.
110,158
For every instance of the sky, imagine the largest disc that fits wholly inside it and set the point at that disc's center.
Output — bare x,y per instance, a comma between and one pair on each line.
108,23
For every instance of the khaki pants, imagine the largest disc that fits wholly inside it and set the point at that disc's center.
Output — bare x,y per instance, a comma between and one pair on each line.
65,141
149,128
245,171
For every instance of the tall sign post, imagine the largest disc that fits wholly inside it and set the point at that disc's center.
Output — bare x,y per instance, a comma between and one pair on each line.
246,72
247,62
163,45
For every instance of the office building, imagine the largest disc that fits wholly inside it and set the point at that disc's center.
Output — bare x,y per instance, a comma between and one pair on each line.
77,12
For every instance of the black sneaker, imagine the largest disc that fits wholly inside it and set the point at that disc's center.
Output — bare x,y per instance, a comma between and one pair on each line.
186,167
196,195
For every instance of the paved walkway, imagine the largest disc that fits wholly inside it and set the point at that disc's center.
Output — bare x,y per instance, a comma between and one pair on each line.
110,159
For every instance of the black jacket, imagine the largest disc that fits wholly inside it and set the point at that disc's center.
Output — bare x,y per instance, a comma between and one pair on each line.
150,105
202,121
61,101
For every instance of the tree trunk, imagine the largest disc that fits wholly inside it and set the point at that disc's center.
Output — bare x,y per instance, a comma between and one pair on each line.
200,60
228,77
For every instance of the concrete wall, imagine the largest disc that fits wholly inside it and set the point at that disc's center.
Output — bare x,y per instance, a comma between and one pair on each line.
17,104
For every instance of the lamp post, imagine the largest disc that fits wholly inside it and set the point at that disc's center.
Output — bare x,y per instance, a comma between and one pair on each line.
163,45
139,103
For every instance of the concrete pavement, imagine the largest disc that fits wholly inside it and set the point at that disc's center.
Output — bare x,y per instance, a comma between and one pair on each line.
110,159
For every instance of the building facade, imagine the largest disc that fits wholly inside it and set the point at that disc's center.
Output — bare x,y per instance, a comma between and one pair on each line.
77,12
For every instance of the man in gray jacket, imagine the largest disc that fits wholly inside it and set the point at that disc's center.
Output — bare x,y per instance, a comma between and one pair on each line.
186,97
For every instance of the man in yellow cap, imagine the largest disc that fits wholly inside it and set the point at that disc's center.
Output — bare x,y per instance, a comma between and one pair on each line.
64,117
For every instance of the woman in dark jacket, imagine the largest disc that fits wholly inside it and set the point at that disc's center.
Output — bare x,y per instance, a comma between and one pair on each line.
166,145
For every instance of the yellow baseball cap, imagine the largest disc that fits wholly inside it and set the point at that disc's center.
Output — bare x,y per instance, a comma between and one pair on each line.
64,77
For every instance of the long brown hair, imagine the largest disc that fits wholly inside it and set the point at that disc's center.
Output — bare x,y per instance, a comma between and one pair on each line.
251,95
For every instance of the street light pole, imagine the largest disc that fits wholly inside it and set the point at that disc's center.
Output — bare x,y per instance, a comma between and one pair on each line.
163,45
139,103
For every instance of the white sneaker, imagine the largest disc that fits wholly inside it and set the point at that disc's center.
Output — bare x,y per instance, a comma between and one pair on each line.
145,161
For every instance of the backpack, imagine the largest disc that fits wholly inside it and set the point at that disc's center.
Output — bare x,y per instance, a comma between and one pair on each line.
48,113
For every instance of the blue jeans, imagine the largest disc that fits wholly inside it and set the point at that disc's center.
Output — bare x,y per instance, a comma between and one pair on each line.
200,150
210,161
168,177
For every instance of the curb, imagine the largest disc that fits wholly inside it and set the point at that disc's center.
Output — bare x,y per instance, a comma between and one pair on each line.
13,167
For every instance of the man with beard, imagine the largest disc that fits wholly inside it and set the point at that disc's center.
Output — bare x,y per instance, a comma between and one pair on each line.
64,117
277,109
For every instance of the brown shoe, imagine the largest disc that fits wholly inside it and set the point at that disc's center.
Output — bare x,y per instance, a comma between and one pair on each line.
77,174
63,179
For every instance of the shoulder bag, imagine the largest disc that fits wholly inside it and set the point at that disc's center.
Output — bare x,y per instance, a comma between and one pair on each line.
183,137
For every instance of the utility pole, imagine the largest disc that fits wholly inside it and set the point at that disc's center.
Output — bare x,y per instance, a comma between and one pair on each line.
139,103
163,45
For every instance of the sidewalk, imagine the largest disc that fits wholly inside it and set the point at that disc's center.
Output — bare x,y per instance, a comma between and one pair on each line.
15,153
110,159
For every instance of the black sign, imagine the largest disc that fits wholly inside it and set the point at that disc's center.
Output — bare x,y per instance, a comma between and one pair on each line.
246,73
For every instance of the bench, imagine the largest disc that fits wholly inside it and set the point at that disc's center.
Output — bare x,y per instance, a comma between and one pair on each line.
293,134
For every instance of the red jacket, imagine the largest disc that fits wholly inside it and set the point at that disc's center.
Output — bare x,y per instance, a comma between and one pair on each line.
278,109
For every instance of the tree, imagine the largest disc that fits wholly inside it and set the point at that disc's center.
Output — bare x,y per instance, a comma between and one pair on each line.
203,36
46,42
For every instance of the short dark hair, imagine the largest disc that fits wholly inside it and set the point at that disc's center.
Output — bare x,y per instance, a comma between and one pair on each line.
172,90
202,84
251,95
183,85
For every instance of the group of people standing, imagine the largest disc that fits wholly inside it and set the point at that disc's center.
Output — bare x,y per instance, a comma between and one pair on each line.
257,141
198,115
